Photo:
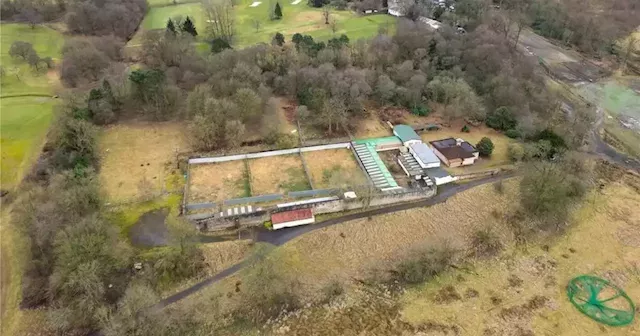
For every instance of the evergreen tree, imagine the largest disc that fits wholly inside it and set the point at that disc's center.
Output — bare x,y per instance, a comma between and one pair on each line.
171,28
189,27
277,12
278,39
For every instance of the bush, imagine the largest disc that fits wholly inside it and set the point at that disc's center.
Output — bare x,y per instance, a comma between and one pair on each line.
425,265
499,187
501,119
286,141
465,129
515,151
513,133
420,110
267,294
485,146
332,290
485,243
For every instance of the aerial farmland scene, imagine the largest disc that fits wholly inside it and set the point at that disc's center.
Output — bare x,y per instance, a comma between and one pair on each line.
319,167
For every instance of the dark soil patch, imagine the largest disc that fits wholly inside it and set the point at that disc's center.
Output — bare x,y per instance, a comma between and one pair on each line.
447,294
471,293
151,229
514,281
526,309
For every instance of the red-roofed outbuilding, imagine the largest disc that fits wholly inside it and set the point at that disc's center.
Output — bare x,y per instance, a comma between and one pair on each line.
291,218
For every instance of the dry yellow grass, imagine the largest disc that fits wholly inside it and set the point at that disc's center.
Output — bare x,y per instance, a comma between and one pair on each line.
132,153
605,241
501,142
219,256
334,168
352,249
217,182
277,174
372,127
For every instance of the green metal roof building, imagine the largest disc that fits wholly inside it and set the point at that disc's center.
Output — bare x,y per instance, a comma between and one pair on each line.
406,134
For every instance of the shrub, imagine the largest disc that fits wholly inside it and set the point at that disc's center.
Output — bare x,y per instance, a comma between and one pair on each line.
515,151
513,133
485,243
498,186
285,141
332,290
425,265
421,111
278,39
485,146
465,129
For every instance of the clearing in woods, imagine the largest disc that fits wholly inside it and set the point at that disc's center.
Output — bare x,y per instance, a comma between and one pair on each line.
219,181
335,168
139,160
277,174
298,18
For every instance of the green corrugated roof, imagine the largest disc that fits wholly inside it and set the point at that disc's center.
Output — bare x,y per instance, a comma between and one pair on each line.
405,133
376,141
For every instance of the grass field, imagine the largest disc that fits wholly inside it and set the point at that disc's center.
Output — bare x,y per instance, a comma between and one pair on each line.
298,18
140,158
604,241
23,127
218,182
24,120
19,78
277,174
335,168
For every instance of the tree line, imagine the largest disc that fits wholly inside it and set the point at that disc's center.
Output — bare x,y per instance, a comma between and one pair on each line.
120,18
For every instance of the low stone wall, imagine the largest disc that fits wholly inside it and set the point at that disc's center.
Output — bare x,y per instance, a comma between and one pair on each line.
346,205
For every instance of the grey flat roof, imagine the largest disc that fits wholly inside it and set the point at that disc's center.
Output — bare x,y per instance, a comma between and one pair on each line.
436,172
425,153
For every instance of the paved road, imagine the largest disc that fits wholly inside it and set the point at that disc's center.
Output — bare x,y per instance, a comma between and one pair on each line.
282,236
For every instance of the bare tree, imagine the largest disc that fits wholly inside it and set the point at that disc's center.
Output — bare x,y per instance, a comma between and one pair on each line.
326,13
220,19
334,25
256,24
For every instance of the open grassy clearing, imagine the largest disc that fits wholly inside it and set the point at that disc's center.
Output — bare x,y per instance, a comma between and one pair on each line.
218,182
19,78
334,168
298,18
139,160
24,120
23,126
604,241
277,174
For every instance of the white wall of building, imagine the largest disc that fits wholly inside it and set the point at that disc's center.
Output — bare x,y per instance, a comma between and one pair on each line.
294,223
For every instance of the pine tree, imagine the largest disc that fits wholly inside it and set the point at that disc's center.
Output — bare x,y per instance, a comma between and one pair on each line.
189,27
277,12
171,28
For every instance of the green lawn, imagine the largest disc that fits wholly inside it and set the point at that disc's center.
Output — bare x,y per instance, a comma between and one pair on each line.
24,120
298,18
